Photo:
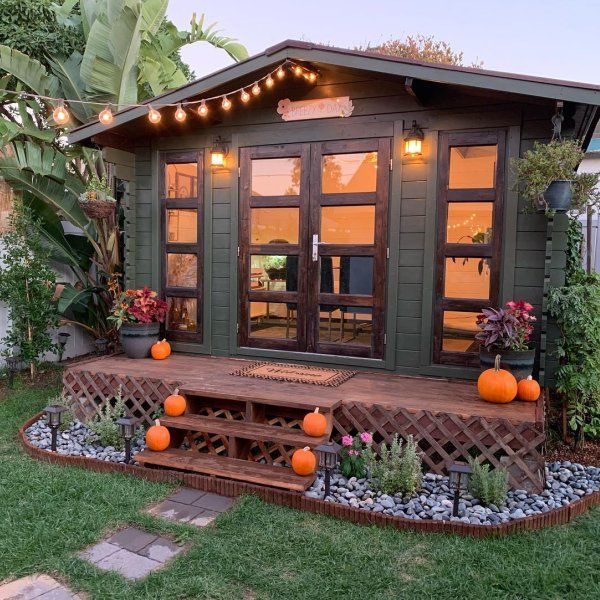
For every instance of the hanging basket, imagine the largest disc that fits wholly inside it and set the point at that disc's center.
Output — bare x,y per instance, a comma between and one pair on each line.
96,208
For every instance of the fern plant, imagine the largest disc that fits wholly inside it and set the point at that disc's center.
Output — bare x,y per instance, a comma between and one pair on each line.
398,468
489,487
105,424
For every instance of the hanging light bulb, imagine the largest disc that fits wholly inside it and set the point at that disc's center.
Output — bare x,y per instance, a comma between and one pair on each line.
60,114
180,114
226,104
256,89
280,73
269,81
297,70
245,96
203,109
106,116
153,116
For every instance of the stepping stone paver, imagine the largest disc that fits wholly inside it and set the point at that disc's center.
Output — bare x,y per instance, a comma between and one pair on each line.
214,502
175,511
132,538
36,586
129,564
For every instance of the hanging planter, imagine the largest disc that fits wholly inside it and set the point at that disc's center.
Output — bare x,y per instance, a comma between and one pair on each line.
559,194
96,202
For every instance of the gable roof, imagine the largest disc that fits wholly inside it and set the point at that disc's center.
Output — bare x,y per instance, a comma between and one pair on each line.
541,87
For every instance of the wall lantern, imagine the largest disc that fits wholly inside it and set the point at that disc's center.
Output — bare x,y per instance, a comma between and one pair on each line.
459,473
413,141
63,338
218,152
127,427
54,415
327,455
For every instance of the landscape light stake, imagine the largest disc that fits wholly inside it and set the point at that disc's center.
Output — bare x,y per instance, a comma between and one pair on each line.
12,363
54,415
459,473
127,427
328,459
63,338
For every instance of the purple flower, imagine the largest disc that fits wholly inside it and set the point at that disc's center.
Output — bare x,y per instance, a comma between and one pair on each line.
347,440
366,437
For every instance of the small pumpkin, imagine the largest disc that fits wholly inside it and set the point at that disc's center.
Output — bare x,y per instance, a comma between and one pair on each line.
160,350
528,389
158,437
497,385
304,461
314,423
175,404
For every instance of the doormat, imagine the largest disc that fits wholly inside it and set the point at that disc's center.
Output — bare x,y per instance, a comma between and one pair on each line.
296,373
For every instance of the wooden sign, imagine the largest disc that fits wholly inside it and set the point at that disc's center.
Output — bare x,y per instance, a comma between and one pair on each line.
323,108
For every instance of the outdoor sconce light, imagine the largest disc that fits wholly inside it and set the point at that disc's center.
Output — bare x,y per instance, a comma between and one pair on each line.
218,152
413,142
12,364
327,455
101,345
54,415
63,338
459,473
127,427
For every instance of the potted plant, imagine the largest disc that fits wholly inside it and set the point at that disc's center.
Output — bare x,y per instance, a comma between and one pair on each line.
275,267
138,314
96,202
507,331
548,178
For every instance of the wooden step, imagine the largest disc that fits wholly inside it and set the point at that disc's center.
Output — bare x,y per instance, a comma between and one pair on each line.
246,430
230,468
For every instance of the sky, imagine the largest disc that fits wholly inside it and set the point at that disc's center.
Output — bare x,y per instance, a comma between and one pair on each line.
549,38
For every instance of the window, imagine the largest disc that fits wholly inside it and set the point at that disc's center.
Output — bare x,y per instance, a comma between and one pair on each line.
469,238
182,243
275,176
349,173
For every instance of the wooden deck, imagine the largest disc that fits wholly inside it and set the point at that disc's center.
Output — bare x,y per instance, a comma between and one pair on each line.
446,417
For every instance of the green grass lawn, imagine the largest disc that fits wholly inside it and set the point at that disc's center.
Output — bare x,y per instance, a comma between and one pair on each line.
256,550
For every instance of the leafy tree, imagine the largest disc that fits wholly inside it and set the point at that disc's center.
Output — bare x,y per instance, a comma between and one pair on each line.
27,284
422,47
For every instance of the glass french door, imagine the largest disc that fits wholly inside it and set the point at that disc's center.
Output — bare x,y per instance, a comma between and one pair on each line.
313,240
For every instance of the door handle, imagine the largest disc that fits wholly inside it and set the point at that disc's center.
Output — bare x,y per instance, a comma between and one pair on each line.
315,247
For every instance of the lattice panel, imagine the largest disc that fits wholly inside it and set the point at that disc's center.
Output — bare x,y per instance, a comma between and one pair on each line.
444,438
90,392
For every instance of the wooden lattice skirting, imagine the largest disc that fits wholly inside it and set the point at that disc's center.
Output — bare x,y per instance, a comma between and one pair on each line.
227,487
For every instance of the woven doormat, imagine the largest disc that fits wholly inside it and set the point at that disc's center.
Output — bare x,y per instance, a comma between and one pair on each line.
296,373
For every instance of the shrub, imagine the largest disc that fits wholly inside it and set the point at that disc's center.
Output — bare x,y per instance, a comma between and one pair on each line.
105,426
398,468
352,462
490,487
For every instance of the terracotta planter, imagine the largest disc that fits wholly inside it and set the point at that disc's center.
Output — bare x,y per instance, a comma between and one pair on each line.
519,363
138,338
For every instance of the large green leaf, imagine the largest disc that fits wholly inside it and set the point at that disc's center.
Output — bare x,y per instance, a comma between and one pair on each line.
153,14
89,10
28,70
69,73
213,36
10,131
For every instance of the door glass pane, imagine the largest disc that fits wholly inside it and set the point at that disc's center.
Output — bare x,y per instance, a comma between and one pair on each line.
276,176
274,273
472,167
182,180
352,325
181,314
459,332
182,225
274,225
469,223
348,224
182,270
467,278
347,275
273,320
349,173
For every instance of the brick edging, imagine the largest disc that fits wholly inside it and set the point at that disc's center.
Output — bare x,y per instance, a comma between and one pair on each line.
228,487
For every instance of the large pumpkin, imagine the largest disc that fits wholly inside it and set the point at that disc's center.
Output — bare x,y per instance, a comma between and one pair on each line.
528,390
497,385
304,462
160,350
158,437
314,424
175,404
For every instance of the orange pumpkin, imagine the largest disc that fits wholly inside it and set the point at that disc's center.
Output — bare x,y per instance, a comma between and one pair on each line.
175,404
314,424
497,385
528,389
304,461
158,437
160,350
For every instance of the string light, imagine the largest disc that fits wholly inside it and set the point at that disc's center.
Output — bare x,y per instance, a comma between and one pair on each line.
269,81
298,70
106,116
180,114
226,104
256,89
312,77
245,96
203,109
464,223
60,114
280,73
153,115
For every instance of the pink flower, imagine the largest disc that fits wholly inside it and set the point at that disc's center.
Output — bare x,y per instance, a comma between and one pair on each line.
347,440
366,437
353,452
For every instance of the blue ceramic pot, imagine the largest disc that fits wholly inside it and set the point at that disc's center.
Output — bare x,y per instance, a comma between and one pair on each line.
138,338
559,194
519,363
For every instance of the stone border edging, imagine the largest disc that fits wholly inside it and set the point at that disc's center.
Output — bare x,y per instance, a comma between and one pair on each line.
228,487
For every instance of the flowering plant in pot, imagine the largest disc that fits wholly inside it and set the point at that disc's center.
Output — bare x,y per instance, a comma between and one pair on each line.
137,315
507,331
352,459
96,202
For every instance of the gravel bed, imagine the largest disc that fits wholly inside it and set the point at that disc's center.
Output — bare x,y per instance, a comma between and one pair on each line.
78,440
566,482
